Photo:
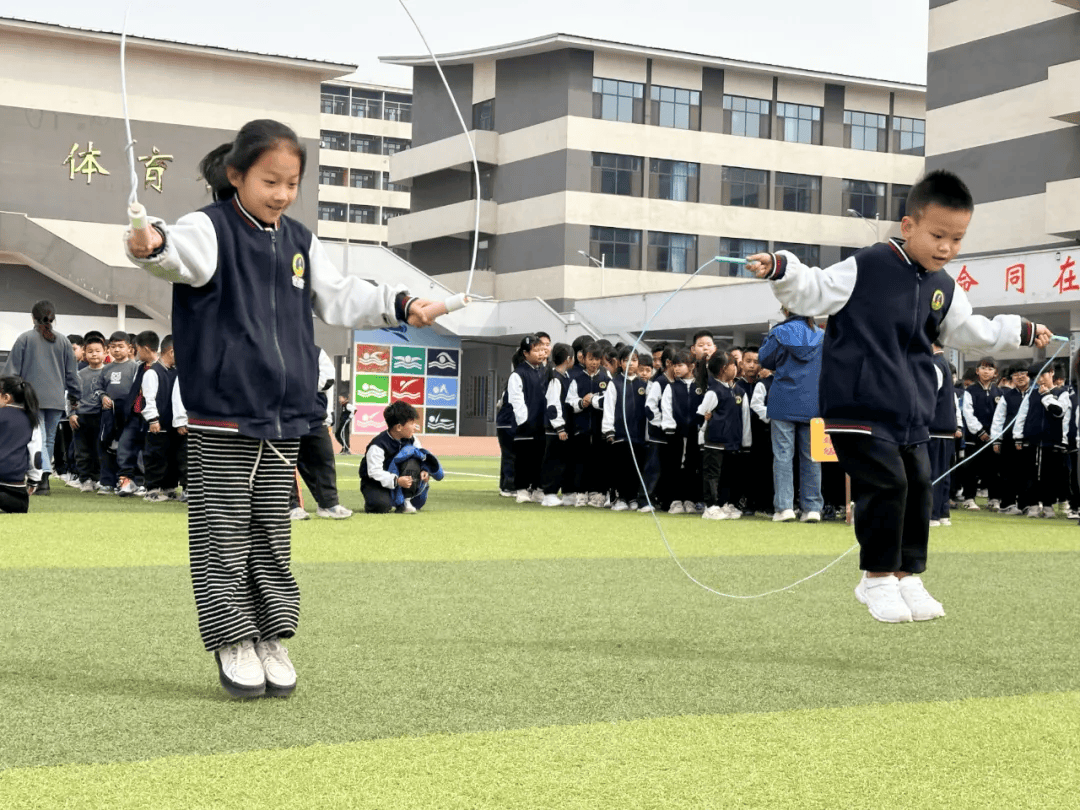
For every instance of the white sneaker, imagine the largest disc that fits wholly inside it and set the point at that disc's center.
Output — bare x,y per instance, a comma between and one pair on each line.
811,517
597,500
1033,512
994,505
970,504
714,513
647,508
336,512
945,522
922,605
101,489
239,669
1013,509
676,508
407,508
538,495
298,514
581,499
551,500
632,506
882,596
733,512
1072,514
86,486
619,506
935,523
128,488
784,516
523,496
156,496
691,508
569,500
279,670
507,493
74,481
981,493
1048,512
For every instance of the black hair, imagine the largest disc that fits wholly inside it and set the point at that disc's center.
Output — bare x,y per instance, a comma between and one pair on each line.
594,350
579,344
22,394
253,139
700,333
942,188
659,346
625,353
131,339
952,370
751,350
75,340
969,374
667,356
517,359
148,340
611,355
44,313
544,335
1059,371
645,359
560,353
684,356
719,361
94,337
166,343
987,361
117,337
605,343
398,413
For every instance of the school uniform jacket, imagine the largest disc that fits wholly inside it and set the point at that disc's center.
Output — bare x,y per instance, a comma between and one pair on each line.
946,413
1043,419
380,453
20,447
557,414
587,419
522,410
1006,409
654,395
678,407
625,393
885,311
978,405
729,426
243,300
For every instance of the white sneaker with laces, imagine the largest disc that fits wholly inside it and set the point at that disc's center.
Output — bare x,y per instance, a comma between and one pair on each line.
882,596
298,514
784,516
647,508
1048,512
676,508
407,508
934,523
74,482
507,493
569,500
994,505
239,669
619,506
945,522
970,504
922,605
811,517
690,508
538,495
279,670
732,511
523,496
86,486
551,500
597,499
632,506
1072,514
335,512
581,499
714,513
1012,509
1033,512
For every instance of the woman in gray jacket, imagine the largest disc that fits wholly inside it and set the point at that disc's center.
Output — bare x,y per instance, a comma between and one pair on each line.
46,360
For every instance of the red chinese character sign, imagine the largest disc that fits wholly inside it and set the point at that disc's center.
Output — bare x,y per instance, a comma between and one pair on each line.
1066,279
966,280
1014,277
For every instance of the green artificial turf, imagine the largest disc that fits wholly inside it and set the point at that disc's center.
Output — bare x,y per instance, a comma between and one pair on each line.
490,654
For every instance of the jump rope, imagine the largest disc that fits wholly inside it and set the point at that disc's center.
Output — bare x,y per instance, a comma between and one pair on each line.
138,218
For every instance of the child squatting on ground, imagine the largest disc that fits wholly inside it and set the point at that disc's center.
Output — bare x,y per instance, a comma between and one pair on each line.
247,280
396,471
887,304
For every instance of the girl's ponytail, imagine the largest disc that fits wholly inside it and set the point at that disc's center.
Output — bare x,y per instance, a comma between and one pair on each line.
44,313
212,169
22,394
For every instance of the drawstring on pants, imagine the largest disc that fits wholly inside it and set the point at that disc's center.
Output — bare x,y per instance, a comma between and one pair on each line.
258,458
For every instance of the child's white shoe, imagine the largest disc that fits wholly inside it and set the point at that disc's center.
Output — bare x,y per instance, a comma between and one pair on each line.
922,605
551,500
882,596
239,669
279,670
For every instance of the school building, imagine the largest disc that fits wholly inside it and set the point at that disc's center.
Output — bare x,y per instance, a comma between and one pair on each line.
1003,111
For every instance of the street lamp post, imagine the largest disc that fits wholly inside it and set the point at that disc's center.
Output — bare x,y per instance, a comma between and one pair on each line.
599,264
875,227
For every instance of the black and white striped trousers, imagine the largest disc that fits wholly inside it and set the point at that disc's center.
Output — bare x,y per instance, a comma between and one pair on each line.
239,537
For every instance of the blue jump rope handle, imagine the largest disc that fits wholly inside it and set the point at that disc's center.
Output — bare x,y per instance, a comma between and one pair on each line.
729,260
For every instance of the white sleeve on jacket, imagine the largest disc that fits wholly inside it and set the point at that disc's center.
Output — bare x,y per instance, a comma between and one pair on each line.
342,300
652,402
940,377
607,424
814,292
572,397
747,436
326,384
1066,407
997,427
376,458
964,330
190,254
968,408
34,446
959,415
1021,418
515,395
757,402
667,412
179,412
552,400
149,392
708,404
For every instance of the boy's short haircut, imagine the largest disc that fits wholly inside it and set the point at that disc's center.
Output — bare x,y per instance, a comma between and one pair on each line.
659,346
148,340
626,352
118,337
700,333
1034,369
92,339
611,355
543,335
75,340
594,350
1018,369
942,188
131,339
166,343
398,413
987,361
94,333
684,356
580,343
644,359
751,349
605,343
970,375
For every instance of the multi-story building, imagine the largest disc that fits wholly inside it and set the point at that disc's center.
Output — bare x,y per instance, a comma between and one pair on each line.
362,126
1003,110
647,162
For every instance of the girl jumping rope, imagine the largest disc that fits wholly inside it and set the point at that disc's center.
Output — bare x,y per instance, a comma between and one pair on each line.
246,281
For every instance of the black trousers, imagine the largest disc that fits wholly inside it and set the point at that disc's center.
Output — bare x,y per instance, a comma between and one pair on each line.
315,463
941,456
890,484
528,456
669,457
14,500
981,470
625,479
377,499
1044,475
159,459
87,463
713,478
557,471
60,448
591,454
507,457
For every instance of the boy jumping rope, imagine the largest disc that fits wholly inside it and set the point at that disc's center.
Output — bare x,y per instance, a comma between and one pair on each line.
887,305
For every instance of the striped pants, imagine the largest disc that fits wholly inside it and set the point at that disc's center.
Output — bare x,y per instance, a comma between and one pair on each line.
239,537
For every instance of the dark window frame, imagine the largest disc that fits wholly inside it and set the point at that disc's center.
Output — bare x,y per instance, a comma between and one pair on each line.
620,247
868,197
617,100
866,131
738,185
666,177
804,119
617,174
741,111
804,189
666,255
675,107
909,136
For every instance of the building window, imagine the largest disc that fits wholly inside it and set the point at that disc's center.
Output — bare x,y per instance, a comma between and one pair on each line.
616,174
672,252
331,176
389,213
334,140
619,247
363,214
798,192
619,101
483,115
335,100
673,180
366,104
368,144
397,108
675,107
487,185
866,199
847,252
391,186
748,188
746,116
332,212
358,178
391,146
798,123
810,255
866,131
909,136
899,201
483,253
741,249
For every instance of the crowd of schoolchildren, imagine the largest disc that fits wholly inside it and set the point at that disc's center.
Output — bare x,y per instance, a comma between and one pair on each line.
687,431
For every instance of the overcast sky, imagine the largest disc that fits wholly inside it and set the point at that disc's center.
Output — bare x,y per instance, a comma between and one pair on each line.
883,39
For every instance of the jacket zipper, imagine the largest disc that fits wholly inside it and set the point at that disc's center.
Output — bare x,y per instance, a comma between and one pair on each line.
273,321
907,358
